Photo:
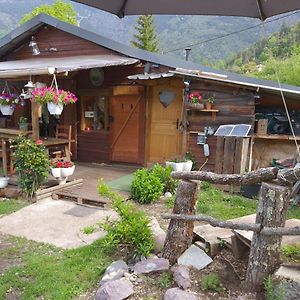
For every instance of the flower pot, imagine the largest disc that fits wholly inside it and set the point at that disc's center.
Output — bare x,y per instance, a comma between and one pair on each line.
3,182
208,105
178,167
66,172
6,110
196,106
187,166
23,126
55,109
56,172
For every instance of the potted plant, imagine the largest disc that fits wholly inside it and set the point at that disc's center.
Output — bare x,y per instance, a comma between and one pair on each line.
8,103
23,124
3,180
210,101
61,169
55,99
195,101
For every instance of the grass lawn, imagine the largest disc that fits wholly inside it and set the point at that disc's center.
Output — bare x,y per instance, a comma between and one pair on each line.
46,272
10,206
221,205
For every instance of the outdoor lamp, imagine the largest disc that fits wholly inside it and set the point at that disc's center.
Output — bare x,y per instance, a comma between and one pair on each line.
35,49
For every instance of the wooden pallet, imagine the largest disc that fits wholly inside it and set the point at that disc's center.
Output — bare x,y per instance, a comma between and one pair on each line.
78,195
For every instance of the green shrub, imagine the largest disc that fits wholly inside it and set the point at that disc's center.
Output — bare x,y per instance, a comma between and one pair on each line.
146,187
31,163
89,229
132,231
273,292
164,175
211,282
291,252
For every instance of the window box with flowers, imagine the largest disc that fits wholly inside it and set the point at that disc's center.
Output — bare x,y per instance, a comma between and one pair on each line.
61,169
55,99
194,101
8,103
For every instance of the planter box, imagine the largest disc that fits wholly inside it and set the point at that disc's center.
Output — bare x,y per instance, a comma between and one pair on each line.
195,106
3,182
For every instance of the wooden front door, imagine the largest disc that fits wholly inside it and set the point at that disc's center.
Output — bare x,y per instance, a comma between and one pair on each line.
127,128
165,139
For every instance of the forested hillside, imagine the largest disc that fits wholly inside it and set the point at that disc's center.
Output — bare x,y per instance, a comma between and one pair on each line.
280,52
174,31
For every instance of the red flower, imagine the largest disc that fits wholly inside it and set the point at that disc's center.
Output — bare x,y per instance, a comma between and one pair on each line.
39,142
59,164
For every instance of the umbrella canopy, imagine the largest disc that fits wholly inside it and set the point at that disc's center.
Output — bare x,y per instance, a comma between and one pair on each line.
261,9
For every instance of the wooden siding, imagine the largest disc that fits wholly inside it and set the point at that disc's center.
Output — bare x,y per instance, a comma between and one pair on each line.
93,146
65,43
235,106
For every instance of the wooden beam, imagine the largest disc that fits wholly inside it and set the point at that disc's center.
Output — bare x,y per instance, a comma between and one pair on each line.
35,120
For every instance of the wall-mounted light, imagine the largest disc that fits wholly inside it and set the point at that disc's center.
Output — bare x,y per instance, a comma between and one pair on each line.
256,95
34,47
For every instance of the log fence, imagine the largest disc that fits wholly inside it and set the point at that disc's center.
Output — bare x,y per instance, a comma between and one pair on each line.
268,229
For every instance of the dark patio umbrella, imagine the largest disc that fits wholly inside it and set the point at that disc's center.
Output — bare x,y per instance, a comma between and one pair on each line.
261,9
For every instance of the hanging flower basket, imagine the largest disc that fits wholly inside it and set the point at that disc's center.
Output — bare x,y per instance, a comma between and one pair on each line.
8,101
55,98
7,110
55,109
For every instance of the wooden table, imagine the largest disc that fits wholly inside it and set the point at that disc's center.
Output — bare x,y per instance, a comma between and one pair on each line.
5,135
53,142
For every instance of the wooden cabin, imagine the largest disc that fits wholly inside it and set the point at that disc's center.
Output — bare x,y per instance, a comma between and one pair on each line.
131,106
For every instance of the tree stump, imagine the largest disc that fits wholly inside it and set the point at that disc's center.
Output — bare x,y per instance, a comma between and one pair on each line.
180,233
265,249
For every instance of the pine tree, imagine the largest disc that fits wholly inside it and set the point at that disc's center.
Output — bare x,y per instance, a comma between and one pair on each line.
146,37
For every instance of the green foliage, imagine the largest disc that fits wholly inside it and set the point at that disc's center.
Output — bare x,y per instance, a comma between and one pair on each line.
218,204
146,187
146,37
191,156
273,292
291,252
164,175
89,229
47,272
59,9
31,163
211,282
165,280
132,231
10,206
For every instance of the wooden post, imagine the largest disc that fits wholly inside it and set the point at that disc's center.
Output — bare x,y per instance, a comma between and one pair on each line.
4,157
35,120
180,233
265,250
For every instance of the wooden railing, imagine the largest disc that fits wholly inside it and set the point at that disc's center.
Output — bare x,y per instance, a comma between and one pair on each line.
268,228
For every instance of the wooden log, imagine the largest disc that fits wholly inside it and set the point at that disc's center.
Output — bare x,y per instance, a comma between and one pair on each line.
35,120
265,174
232,225
265,250
180,233
288,176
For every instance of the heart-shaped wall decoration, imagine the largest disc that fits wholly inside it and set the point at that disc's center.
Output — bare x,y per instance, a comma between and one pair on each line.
166,98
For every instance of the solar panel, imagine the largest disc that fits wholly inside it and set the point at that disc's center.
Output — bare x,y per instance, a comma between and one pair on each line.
240,130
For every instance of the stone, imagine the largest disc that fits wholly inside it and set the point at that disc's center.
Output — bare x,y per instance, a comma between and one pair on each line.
181,276
159,235
115,290
167,195
178,294
195,257
151,265
290,281
115,271
12,192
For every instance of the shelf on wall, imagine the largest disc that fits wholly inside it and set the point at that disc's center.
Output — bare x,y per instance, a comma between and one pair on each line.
212,111
275,137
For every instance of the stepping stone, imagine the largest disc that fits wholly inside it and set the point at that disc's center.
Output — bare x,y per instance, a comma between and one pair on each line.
181,276
115,271
151,265
115,290
178,294
159,235
194,257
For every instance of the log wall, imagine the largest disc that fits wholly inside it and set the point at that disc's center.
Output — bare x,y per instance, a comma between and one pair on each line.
236,106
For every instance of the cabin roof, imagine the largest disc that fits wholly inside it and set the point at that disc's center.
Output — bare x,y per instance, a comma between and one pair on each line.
16,38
